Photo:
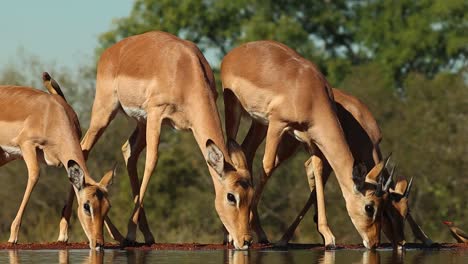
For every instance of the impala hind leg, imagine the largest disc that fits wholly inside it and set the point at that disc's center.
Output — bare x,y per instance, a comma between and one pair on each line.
131,151
418,232
310,201
153,130
252,141
66,214
233,113
286,148
30,157
315,165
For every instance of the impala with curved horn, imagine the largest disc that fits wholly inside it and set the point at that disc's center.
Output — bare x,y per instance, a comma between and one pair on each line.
40,127
363,136
158,79
286,94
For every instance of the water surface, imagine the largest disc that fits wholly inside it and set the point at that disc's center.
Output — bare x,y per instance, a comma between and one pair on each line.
233,257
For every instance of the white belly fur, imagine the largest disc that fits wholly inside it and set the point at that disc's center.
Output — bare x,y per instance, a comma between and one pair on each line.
11,152
135,112
259,117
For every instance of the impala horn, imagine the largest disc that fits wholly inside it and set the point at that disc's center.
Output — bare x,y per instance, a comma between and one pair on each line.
389,180
408,188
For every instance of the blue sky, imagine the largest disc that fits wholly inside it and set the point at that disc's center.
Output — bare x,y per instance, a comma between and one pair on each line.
63,31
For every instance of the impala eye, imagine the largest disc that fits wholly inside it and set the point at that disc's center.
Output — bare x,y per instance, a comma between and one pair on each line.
369,210
231,198
87,209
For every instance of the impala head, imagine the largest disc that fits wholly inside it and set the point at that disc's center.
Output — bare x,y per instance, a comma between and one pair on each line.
234,197
93,204
396,210
365,204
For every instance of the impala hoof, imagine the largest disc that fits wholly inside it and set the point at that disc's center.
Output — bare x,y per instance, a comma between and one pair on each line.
330,247
150,242
282,243
428,243
128,243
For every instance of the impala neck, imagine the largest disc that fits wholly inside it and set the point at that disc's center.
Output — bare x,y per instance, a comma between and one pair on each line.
206,124
73,152
332,144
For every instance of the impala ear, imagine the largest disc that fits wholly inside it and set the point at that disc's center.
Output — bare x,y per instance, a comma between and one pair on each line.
373,177
75,175
214,157
359,170
108,178
237,155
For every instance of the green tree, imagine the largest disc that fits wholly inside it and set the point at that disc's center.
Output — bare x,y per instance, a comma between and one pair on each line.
402,36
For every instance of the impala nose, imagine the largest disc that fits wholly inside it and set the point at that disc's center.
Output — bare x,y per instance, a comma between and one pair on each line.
247,243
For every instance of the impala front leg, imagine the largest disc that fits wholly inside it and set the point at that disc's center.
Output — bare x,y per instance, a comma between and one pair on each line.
30,157
153,130
315,166
273,138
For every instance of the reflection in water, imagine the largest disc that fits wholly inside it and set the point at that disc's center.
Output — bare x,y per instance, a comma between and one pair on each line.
231,256
328,257
63,256
13,255
95,257
397,257
371,257
136,256
237,256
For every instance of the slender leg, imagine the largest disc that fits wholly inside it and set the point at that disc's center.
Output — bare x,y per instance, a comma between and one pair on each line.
233,111
66,214
418,232
252,141
105,107
317,167
226,237
113,231
131,151
286,148
153,130
273,138
30,157
311,200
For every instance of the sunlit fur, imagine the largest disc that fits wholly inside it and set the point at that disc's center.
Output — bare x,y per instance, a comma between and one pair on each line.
272,82
45,129
159,79
92,224
236,181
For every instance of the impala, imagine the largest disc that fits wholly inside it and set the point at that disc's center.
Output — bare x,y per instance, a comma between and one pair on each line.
286,94
40,127
159,79
363,136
